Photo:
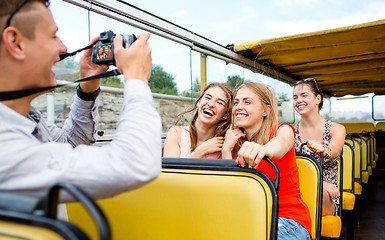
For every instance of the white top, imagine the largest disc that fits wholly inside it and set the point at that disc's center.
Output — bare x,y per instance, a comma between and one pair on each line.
34,154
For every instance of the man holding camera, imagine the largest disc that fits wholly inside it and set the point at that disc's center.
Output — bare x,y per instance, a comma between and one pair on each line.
34,154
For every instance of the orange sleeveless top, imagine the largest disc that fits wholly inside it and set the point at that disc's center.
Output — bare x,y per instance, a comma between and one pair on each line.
291,204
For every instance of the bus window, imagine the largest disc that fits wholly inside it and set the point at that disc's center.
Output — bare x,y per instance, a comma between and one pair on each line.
378,113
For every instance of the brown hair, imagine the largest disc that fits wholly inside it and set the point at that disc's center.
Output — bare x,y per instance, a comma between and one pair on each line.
267,98
311,82
26,24
223,124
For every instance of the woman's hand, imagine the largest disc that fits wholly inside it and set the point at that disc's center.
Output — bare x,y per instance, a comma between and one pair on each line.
251,153
332,189
210,146
315,146
135,61
231,138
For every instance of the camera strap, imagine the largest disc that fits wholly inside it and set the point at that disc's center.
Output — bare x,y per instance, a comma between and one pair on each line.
64,55
10,95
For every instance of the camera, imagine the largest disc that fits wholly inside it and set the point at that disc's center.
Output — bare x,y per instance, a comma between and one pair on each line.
103,50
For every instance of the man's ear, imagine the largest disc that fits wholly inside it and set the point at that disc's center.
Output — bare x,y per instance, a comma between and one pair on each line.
267,111
13,42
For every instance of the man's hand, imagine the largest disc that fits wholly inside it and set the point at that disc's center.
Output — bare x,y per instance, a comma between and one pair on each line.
88,68
135,61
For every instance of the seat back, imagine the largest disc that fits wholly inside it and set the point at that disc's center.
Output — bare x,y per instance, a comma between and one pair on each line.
348,167
310,180
357,158
380,126
358,127
11,230
192,202
28,216
365,153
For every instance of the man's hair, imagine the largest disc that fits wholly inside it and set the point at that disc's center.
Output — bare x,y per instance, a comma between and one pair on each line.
25,24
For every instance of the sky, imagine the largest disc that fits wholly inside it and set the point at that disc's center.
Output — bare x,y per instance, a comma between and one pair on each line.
224,22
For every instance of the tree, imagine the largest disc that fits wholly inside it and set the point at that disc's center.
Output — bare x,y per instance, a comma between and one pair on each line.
282,97
196,90
162,82
235,81
113,81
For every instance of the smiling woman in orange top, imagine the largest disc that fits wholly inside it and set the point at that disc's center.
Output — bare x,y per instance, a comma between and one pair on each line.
257,133
204,137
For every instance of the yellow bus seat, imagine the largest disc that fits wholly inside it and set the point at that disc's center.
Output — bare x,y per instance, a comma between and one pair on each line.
347,158
13,231
365,177
361,146
310,180
33,216
358,127
192,202
357,188
331,226
357,159
348,201
367,154
348,167
380,126
374,164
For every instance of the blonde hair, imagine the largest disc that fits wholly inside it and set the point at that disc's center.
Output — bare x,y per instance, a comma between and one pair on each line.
267,98
222,125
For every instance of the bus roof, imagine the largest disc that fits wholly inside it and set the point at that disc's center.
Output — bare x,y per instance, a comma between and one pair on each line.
348,60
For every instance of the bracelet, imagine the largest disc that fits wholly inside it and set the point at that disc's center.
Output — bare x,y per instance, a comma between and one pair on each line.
87,96
327,152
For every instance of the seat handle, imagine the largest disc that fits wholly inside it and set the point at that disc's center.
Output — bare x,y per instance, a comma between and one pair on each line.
277,173
321,153
80,195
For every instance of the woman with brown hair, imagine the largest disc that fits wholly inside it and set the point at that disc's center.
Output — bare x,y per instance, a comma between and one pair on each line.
321,135
204,137
257,133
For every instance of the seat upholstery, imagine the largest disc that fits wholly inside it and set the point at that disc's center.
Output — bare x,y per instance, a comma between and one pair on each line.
191,204
310,180
13,230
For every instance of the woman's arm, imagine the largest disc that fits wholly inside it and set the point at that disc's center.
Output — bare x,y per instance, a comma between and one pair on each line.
171,146
337,134
252,152
209,146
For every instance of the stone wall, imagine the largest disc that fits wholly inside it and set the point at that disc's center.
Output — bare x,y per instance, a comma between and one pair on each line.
110,103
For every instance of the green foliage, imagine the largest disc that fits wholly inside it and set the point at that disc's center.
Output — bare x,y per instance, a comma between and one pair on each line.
162,82
235,81
196,90
282,97
113,81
